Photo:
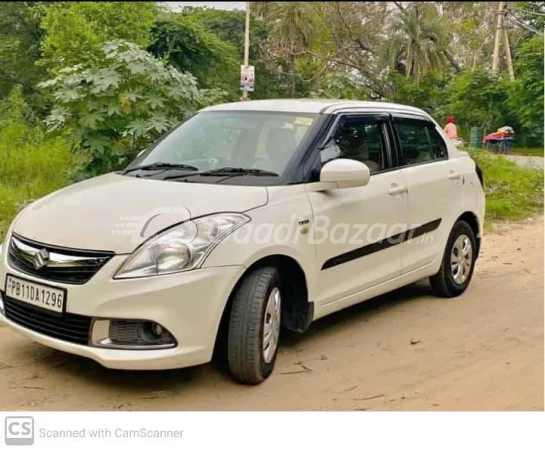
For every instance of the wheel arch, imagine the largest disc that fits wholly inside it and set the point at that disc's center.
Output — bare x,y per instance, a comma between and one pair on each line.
472,220
298,311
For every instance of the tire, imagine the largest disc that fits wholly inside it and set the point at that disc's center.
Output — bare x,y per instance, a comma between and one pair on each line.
451,280
249,360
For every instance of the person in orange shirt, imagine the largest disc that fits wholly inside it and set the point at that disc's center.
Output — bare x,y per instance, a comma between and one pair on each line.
450,129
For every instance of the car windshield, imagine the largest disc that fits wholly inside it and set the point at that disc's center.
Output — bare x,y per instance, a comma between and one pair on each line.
227,142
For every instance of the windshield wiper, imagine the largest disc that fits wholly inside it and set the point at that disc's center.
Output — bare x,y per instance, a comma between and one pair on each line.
159,166
226,171
239,171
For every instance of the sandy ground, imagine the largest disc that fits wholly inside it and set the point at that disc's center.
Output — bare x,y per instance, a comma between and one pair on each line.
404,351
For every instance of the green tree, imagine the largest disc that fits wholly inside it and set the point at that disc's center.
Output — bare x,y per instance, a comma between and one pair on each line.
293,30
477,99
351,37
526,98
419,42
472,26
340,85
533,13
190,47
116,108
428,94
75,32
20,37
229,27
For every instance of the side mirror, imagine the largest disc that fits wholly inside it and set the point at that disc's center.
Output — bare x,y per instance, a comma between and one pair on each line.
345,173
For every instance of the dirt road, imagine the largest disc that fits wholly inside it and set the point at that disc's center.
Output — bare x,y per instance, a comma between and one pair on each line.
404,351
527,161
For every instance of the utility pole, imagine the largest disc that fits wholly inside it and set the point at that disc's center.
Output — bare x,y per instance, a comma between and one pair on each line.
498,38
508,55
246,45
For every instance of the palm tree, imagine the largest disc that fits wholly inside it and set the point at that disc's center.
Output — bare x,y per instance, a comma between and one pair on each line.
293,28
420,42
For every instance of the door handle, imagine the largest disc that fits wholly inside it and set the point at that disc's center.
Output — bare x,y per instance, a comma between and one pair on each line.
396,190
454,175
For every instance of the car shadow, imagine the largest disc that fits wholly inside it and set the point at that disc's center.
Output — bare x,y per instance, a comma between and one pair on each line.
356,314
154,384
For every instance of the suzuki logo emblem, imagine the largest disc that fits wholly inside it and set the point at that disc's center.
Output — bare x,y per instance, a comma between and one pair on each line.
40,259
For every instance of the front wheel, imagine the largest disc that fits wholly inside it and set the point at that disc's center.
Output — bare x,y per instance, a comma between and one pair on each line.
458,262
254,326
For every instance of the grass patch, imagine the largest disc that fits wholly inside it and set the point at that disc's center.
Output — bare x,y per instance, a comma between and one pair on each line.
32,164
512,192
29,170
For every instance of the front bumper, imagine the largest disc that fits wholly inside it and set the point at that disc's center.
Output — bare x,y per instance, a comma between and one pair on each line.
188,304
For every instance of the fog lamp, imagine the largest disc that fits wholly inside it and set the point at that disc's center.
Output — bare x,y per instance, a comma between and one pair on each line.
131,334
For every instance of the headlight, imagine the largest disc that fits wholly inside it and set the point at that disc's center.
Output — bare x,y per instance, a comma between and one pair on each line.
183,247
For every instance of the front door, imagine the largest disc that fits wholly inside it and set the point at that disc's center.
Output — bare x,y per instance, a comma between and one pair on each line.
350,225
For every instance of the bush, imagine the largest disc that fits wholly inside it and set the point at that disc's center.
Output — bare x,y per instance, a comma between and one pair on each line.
30,172
31,164
512,192
120,105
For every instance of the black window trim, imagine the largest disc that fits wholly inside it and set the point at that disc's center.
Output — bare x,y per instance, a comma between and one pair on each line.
400,160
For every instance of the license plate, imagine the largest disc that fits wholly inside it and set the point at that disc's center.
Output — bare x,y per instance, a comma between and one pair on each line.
35,294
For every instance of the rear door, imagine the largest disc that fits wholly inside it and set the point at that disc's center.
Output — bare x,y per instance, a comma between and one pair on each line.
435,190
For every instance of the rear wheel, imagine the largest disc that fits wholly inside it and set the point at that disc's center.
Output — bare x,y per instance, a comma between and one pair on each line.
254,326
458,262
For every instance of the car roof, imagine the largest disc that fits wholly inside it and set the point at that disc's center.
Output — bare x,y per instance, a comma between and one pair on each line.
324,106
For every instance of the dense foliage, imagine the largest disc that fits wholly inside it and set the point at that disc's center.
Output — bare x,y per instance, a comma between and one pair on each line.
436,55
116,107
74,32
85,85
190,47
32,162
526,98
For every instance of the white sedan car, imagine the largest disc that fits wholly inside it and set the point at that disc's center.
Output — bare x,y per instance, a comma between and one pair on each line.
246,219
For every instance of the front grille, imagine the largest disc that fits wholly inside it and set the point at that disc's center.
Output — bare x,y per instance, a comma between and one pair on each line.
59,264
66,327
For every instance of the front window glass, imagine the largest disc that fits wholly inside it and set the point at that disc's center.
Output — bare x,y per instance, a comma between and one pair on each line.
215,140
358,138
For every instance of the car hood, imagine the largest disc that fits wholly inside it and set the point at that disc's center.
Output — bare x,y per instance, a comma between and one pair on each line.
117,213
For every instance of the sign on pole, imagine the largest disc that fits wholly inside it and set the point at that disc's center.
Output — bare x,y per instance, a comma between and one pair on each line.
247,78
